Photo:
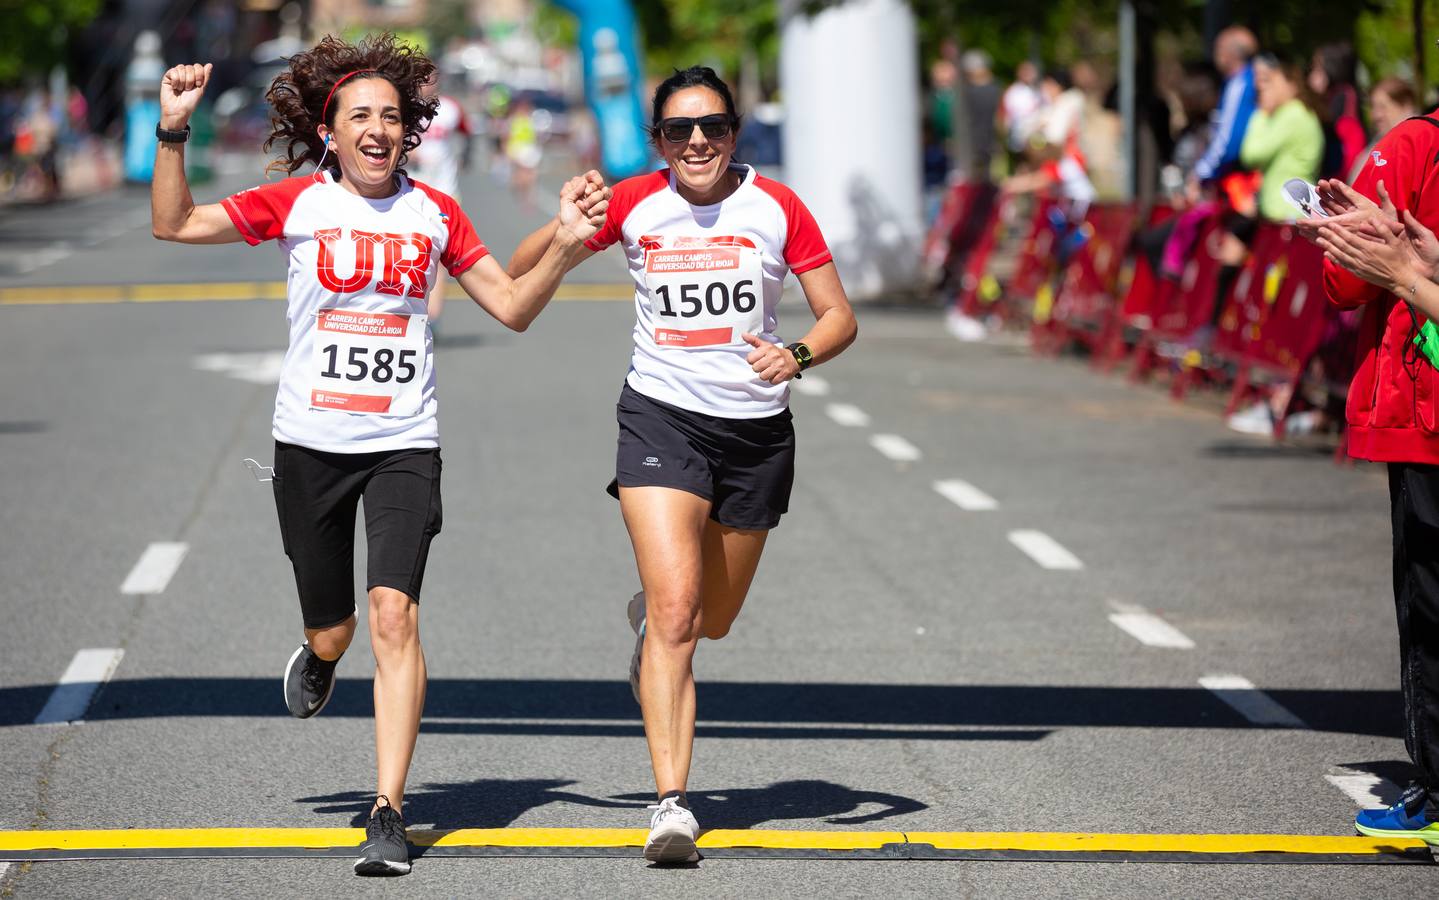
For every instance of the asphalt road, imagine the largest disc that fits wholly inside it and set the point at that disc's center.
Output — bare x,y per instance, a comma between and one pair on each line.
902,664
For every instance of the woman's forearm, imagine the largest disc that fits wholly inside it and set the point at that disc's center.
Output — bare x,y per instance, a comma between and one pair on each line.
833,331
170,199
532,290
533,248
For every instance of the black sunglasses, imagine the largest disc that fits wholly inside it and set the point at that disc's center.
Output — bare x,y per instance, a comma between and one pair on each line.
678,129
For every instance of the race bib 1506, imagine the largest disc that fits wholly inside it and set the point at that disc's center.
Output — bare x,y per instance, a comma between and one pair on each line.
705,296
368,362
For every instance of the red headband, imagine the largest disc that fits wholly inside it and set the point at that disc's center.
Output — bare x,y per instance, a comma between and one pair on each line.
324,110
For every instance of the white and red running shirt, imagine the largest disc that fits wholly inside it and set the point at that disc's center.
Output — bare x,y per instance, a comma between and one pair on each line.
437,160
359,373
703,276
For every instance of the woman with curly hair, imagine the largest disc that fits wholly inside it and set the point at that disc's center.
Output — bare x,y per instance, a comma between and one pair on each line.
355,414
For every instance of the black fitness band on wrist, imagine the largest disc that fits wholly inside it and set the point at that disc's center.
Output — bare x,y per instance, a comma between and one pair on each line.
167,136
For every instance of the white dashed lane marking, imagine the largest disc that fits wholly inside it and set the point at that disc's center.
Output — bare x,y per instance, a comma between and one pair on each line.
155,568
811,386
847,415
1243,697
71,697
1147,628
894,447
1366,790
965,495
256,368
1044,550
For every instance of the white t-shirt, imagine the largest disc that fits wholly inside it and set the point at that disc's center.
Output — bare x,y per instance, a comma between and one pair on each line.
436,161
359,373
703,276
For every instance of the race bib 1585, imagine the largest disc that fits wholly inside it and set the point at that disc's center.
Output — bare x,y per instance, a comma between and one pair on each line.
368,362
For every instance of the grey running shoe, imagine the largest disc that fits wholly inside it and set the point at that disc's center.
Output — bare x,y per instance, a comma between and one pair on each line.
673,832
309,682
384,851
637,624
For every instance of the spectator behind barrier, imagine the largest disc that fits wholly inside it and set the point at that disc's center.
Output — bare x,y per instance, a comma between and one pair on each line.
1020,105
1331,78
1233,49
981,111
1284,139
1391,101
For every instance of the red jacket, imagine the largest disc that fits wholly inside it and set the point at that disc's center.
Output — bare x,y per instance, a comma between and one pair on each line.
1393,406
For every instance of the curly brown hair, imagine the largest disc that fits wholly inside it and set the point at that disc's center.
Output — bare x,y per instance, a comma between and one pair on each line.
297,96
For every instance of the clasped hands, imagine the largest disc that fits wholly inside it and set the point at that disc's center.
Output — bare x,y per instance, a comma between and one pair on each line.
1384,247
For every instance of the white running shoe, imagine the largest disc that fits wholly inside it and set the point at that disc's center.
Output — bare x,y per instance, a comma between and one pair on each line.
1257,420
636,613
673,832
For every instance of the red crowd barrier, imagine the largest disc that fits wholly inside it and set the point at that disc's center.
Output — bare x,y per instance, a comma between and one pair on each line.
1179,309
1084,306
1036,256
1293,321
1273,323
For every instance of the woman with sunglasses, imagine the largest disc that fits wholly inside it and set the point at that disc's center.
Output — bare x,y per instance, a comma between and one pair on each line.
356,411
706,445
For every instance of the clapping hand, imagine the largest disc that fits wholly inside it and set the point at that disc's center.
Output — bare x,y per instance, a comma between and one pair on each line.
180,92
1338,198
1366,244
1349,208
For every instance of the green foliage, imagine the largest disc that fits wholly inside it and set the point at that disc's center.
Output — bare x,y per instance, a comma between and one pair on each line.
681,33
446,20
35,35
556,27
1384,37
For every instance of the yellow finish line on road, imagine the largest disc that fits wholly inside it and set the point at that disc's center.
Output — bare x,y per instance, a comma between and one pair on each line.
1034,846
202,292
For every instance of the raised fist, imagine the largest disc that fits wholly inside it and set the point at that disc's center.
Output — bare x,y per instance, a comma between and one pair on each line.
180,92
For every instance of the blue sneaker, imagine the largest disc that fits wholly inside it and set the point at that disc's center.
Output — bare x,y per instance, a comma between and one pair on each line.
1415,815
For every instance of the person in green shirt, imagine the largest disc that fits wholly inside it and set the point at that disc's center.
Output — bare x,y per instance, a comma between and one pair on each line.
1284,139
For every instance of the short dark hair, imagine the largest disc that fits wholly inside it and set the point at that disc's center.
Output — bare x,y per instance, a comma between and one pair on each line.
694,76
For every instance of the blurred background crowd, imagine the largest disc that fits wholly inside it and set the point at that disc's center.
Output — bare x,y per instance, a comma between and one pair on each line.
1008,89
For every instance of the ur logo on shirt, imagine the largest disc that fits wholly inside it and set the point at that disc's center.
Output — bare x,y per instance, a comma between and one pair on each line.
402,259
1378,160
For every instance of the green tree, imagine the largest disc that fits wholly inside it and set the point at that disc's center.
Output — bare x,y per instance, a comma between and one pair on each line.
681,33
36,34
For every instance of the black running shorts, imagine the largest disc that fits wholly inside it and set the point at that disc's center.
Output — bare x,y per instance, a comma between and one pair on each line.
744,467
316,494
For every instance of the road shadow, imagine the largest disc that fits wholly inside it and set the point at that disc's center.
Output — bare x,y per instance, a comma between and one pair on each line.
483,803
580,707
1247,450
499,803
808,800
1396,774
24,427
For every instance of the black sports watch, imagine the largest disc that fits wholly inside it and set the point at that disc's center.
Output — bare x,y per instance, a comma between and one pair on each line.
167,136
802,355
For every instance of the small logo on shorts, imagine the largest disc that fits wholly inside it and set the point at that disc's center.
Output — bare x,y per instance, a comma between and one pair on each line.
652,461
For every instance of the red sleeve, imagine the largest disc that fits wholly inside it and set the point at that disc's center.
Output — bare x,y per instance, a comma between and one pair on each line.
463,247
260,212
804,246
627,195
1400,160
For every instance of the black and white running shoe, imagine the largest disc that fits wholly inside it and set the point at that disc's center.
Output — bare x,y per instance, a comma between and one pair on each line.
384,851
309,682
